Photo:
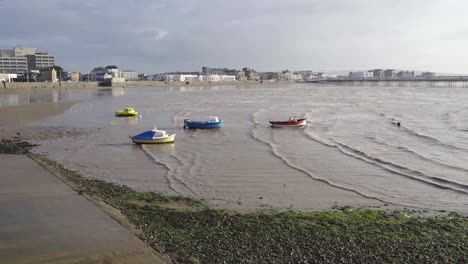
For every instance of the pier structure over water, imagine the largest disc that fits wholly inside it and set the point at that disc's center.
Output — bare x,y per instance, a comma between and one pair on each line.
434,81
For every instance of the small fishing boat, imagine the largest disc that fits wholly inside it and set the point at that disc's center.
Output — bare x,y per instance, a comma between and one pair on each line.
154,136
213,122
128,111
292,122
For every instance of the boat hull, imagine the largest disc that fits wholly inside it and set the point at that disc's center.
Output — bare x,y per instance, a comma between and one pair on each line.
125,114
168,139
299,122
197,124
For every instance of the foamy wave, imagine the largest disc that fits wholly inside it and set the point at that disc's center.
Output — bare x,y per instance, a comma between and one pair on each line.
286,161
157,161
171,173
421,156
316,137
403,171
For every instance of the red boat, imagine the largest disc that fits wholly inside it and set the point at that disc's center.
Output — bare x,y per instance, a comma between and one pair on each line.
292,122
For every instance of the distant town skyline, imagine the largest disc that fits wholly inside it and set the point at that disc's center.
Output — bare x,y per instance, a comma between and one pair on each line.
153,36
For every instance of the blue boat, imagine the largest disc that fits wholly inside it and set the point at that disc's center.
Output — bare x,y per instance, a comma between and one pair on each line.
214,122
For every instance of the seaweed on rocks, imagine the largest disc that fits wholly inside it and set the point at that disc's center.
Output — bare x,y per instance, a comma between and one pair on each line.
191,232
15,146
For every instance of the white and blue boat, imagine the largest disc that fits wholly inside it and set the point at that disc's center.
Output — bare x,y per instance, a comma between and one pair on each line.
213,122
154,136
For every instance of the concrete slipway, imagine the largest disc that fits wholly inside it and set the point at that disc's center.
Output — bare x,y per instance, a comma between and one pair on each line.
42,220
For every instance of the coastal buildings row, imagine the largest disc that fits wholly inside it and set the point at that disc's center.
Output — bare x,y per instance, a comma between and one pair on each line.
200,78
225,74
29,64
386,74
247,74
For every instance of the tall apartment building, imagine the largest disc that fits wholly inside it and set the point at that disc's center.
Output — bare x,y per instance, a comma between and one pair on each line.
9,64
22,59
43,60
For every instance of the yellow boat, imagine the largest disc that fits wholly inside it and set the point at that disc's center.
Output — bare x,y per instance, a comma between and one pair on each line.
128,111
154,136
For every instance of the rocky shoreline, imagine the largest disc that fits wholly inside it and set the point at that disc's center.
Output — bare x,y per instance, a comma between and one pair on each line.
190,232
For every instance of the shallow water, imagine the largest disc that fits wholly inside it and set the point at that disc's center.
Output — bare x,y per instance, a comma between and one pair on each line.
351,149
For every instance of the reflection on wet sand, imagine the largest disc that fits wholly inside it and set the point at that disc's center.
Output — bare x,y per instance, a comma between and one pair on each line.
110,92
33,96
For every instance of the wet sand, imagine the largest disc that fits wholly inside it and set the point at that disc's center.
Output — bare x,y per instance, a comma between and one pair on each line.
45,221
23,114
15,121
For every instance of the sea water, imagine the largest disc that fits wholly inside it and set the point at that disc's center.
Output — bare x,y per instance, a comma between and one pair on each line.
351,152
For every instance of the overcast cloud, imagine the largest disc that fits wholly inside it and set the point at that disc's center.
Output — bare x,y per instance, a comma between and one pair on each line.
153,36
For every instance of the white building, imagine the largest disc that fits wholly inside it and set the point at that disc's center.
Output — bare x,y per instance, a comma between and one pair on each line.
289,76
361,74
210,78
6,77
181,77
228,78
114,71
129,75
193,78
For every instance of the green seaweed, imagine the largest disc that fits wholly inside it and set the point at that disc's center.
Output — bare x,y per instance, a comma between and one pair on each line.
195,233
15,146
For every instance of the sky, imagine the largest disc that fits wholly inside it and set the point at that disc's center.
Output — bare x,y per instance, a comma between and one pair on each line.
155,36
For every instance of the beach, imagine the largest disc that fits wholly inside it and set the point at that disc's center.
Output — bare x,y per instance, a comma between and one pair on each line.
350,154
184,230
352,186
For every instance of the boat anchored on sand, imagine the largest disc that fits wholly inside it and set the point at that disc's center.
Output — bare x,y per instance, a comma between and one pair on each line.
128,111
292,122
213,122
154,136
